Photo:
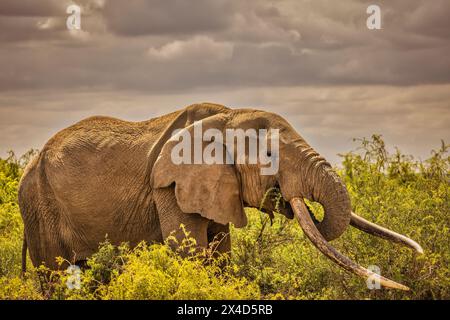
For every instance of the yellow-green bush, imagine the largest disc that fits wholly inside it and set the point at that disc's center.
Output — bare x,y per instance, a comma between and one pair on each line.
152,272
16,288
10,221
269,261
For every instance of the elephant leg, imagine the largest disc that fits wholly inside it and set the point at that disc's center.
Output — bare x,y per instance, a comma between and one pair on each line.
171,217
44,241
219,237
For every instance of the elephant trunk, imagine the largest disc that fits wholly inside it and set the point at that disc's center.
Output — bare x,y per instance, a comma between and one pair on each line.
323,185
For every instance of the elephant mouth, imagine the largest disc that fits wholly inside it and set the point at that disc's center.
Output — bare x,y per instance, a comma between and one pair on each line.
307,223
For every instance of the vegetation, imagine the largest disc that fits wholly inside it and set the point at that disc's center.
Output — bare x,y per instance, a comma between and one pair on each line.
270,259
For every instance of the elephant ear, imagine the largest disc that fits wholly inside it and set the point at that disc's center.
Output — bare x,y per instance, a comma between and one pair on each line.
211,190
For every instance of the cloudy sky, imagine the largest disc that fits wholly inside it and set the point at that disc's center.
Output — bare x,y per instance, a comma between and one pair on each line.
313,61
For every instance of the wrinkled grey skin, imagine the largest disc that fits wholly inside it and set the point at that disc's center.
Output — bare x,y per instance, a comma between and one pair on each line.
104,176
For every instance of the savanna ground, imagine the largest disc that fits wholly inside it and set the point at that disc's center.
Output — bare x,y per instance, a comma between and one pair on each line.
269,261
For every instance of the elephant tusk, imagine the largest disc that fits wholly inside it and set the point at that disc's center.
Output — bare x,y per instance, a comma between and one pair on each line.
313,234
376,230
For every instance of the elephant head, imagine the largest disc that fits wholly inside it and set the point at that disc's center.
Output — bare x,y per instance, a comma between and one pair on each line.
220,191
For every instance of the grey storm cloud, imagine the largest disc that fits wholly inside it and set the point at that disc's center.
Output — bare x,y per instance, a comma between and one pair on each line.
313,61
141,17
173,45
32,8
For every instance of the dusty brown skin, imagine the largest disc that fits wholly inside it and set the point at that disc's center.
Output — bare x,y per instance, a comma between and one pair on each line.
104,176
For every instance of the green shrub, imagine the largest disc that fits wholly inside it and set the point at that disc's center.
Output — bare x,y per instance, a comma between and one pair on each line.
16,288
153,272
11,227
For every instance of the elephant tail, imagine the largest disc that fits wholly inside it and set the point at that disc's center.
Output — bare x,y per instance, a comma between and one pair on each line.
24,255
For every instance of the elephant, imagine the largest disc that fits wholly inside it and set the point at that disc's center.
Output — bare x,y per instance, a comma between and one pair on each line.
105,176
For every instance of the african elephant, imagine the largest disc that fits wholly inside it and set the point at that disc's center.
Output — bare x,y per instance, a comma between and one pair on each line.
104,176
